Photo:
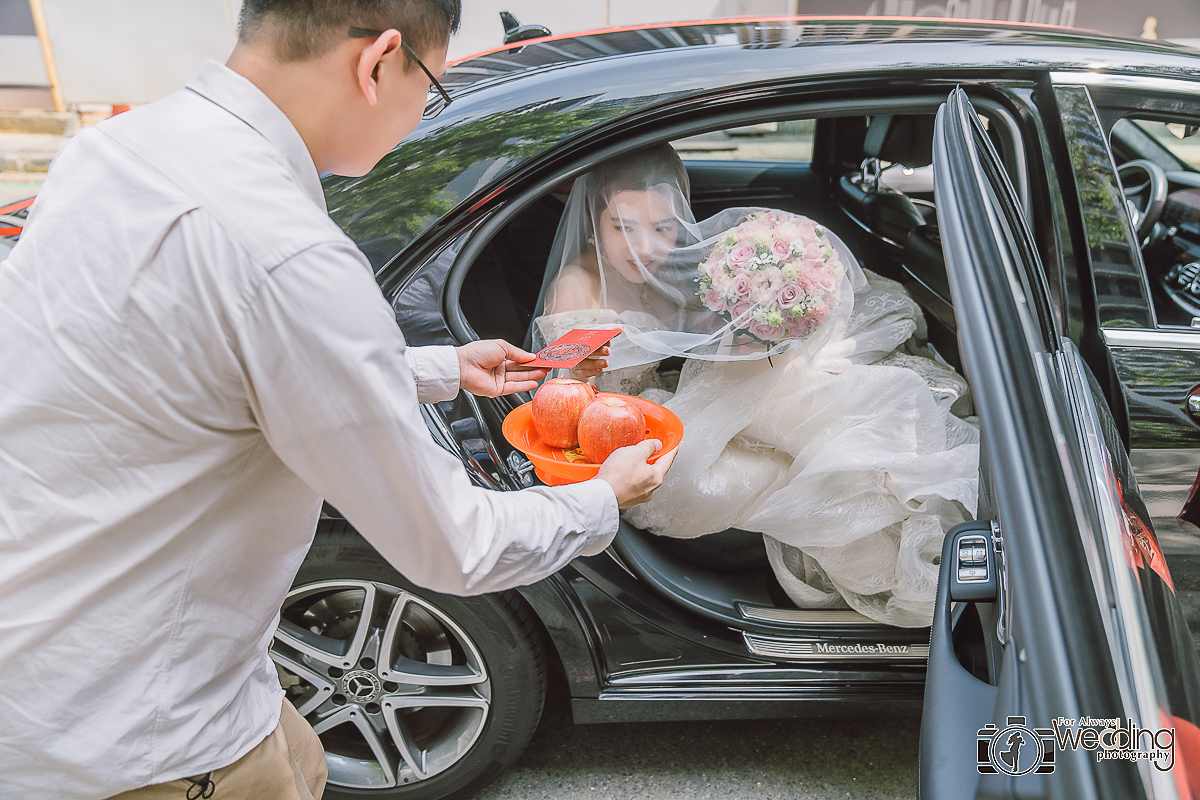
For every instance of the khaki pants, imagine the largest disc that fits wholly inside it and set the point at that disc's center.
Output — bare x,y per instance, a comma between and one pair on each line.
287,765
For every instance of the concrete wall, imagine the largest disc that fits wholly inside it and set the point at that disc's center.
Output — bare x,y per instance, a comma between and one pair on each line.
481,29
22,73
135,51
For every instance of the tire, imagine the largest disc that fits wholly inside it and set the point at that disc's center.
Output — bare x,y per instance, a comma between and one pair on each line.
453,705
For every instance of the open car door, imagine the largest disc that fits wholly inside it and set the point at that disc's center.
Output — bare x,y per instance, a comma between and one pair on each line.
1043,624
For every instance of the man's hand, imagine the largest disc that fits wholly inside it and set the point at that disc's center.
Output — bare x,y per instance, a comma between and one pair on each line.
631,478
492,367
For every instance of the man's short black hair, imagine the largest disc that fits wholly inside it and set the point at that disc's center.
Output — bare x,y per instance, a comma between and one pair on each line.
304,29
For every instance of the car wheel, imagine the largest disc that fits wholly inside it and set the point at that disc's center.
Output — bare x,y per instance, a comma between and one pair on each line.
415,695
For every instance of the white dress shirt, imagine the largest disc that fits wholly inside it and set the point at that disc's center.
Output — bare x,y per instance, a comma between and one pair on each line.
192,355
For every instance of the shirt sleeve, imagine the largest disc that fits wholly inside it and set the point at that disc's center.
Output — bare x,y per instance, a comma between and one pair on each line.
330,382
435,369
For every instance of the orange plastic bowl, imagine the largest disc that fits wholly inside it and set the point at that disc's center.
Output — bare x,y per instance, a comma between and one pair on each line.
557,467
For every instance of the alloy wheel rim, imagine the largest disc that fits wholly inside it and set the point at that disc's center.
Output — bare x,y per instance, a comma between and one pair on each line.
397,691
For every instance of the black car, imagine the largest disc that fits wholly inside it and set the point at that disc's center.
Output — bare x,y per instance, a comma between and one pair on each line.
1032,188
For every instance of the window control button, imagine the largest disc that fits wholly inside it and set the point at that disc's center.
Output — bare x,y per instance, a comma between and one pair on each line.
972,574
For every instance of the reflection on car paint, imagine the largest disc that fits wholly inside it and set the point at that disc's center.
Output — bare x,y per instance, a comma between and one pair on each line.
1121,300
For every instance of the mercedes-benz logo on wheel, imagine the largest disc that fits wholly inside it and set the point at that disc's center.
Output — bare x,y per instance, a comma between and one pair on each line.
360,686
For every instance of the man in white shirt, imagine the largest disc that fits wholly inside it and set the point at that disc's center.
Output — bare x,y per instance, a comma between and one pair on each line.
192,355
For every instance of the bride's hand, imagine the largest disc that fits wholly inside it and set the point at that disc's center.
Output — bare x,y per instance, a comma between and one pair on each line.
591,366
632,479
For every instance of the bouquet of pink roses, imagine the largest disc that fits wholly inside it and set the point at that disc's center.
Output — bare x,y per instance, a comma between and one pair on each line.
775,277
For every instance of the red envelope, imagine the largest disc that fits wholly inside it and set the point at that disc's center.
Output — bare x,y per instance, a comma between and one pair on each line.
572,348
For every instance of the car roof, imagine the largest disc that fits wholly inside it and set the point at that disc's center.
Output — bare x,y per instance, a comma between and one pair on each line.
529,101
549,52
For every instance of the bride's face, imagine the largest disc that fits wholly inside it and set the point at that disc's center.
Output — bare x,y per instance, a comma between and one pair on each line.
637,232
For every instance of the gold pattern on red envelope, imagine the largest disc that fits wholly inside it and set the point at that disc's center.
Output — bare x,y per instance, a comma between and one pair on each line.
564,352
569,350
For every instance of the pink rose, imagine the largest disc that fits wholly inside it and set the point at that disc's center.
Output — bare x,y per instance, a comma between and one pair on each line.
780,248
825,277
712,299
765,285
741,284
807,232
798,326
741,254
789,296
768,333
812,251
816,277
740,312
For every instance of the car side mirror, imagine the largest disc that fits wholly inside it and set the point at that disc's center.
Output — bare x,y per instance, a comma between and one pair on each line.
1181,130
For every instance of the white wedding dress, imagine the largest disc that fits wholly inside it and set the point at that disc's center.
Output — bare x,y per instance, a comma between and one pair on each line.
853,461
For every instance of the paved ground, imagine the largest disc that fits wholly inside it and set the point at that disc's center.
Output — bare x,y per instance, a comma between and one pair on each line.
764,760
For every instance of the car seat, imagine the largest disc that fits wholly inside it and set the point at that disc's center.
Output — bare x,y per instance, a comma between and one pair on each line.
898,139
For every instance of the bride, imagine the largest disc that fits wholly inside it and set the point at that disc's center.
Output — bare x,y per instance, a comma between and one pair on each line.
832,429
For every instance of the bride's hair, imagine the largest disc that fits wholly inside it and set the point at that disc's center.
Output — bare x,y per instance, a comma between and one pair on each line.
638,170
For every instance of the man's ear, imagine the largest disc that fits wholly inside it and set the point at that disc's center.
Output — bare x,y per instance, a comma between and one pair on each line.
367,68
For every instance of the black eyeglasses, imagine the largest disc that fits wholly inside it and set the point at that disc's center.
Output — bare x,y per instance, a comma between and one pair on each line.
438,97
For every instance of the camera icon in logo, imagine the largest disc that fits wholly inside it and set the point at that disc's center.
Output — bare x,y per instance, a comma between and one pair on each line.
1015,749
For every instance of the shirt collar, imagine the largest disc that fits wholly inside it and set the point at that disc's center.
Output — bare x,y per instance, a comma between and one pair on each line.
237,95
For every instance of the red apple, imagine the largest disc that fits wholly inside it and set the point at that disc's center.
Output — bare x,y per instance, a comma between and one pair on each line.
608,423
557,406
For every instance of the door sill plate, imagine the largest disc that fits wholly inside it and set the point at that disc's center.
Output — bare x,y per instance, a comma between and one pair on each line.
806,616
793,649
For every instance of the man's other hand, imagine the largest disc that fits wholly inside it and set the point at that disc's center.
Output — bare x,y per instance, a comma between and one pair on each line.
492,367
632,479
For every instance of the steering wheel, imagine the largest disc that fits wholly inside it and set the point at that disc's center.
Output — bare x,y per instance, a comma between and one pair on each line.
1147,198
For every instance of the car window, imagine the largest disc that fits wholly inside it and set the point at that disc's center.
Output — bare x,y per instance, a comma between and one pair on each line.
868,177
1170,147
769,141
1180,139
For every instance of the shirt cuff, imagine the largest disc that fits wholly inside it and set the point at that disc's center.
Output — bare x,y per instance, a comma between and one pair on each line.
436,369
602,516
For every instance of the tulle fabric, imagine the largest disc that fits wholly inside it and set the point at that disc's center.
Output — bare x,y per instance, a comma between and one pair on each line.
852,452
853,464
629,244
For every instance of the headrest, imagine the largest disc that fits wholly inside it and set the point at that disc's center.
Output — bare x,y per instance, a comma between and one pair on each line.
902,139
